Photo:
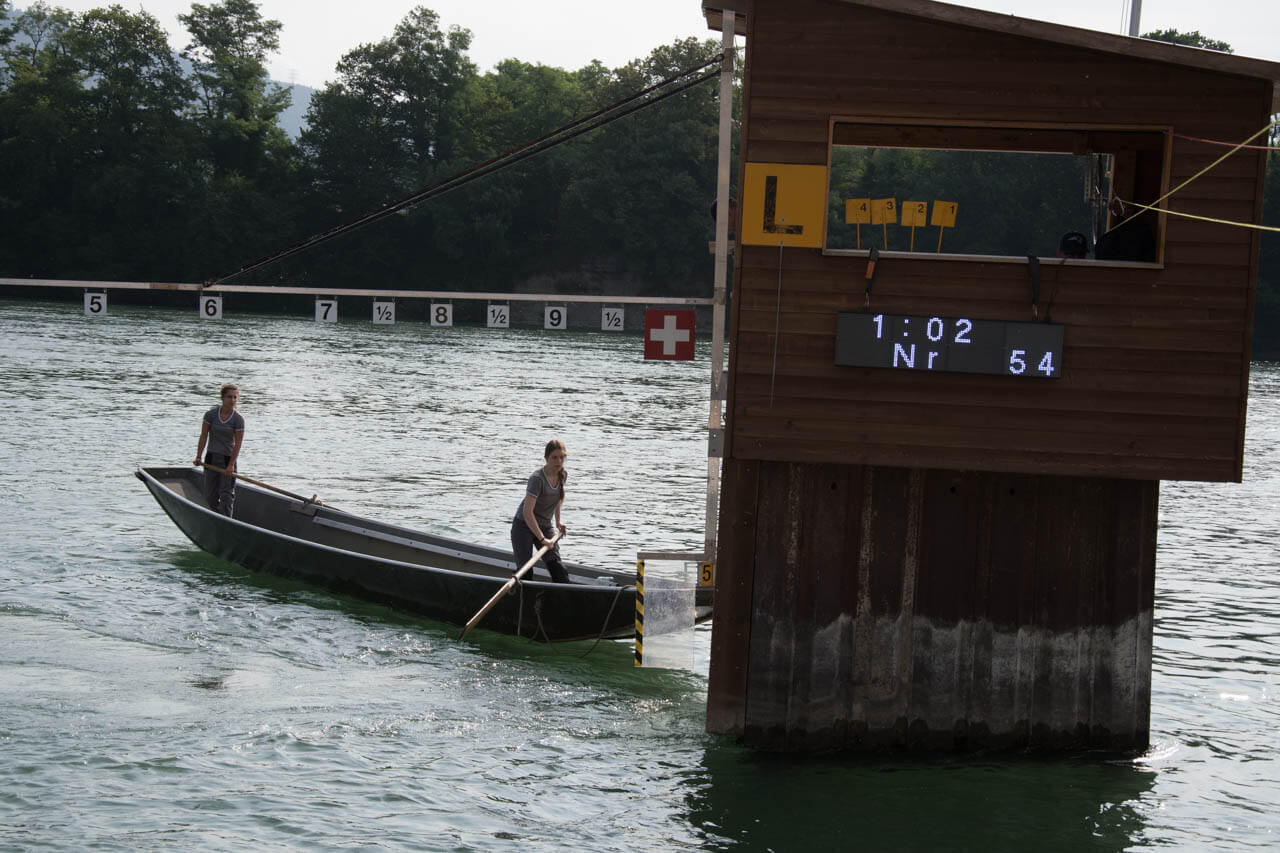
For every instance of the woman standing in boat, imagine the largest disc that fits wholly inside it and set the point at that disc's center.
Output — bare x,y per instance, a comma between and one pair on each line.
223,429
543,497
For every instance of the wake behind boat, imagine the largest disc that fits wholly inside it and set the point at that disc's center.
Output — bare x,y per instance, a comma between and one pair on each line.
435,576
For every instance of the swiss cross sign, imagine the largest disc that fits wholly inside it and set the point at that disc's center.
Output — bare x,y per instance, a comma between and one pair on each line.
669,334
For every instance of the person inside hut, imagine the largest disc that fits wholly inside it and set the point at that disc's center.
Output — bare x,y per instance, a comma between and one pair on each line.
1073,245
533,523
1131,239
223,429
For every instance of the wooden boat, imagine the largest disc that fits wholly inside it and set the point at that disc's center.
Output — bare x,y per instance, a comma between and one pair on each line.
441,578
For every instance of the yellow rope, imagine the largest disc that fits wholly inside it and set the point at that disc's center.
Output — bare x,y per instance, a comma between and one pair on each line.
1265,129
1206,218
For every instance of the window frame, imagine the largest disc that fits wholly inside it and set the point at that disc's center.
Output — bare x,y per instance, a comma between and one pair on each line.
895,124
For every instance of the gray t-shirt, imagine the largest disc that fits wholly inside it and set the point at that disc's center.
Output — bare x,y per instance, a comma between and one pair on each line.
547,497
222,433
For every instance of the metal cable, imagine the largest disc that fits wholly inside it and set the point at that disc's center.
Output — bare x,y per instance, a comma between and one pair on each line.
574,129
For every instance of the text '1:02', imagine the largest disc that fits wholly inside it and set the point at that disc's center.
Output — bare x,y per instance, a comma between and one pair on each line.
949,345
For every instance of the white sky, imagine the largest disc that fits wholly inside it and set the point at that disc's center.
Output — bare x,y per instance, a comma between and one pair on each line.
570,33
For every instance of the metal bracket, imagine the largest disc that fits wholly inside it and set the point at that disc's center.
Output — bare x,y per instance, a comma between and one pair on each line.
715,444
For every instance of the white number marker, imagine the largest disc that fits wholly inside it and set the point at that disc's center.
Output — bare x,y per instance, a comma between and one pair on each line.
326,310
442,313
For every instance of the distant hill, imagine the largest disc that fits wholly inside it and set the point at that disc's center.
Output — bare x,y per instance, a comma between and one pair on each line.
294,119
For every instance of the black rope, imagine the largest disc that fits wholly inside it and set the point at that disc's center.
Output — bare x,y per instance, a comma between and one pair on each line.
574,129
605,626
1033,271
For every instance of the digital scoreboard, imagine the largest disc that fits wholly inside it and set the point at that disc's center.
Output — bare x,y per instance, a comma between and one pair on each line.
949,345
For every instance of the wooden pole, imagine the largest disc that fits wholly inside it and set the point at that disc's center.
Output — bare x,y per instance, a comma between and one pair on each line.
225,472
506,587
715,413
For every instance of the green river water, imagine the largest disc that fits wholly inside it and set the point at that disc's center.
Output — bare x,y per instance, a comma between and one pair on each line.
153,697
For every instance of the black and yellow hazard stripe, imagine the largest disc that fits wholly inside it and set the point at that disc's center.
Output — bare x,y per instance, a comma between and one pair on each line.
639,612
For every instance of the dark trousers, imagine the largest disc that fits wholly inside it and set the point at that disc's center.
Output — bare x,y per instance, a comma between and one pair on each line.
219,489
523,545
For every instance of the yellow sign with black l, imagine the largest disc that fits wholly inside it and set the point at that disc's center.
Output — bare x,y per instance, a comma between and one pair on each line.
784,203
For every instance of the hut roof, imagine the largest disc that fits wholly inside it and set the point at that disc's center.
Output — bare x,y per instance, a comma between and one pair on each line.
963,16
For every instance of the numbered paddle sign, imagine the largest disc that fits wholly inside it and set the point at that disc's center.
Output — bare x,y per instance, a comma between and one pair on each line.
95,305
442,313
210,307
498,316
612,319
326,310
384,313
555,317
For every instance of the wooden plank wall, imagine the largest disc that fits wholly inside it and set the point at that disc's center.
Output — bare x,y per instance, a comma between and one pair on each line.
1156,361
948,560
935,609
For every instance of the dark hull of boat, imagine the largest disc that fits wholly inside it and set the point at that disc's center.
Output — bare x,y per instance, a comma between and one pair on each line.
437,577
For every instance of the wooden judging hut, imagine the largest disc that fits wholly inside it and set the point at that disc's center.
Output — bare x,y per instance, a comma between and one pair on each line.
941,473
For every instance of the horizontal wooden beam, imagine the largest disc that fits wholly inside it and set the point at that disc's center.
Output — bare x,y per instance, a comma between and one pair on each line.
347,291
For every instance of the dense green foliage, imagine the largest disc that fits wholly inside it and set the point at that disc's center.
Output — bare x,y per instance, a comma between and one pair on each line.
1191,39
120,160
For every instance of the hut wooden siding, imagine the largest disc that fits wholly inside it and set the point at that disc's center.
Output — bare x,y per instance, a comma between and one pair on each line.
1155,361
942,560
933,609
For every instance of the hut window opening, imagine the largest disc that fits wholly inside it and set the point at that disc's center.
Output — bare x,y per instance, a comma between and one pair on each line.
994,191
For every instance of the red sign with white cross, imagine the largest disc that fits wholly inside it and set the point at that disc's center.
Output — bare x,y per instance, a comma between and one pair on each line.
669,334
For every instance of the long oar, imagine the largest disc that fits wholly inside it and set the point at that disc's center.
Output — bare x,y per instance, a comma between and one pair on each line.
225,472
506,587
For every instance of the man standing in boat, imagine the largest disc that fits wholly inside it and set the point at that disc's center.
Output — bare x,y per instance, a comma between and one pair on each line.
223,429
543,498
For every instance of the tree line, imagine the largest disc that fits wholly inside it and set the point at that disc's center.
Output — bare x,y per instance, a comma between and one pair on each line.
122,160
